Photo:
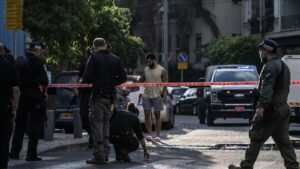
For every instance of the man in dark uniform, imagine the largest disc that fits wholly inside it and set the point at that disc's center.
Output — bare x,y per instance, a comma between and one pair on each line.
124,124
33,100
85,95
9,97
104,70
273,113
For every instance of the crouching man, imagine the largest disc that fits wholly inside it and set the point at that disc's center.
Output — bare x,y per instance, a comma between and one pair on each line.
126,133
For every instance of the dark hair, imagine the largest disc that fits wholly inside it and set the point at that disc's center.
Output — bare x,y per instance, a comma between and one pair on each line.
132,108
151,56
99,42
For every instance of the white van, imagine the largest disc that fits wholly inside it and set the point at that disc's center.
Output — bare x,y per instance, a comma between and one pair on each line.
293,62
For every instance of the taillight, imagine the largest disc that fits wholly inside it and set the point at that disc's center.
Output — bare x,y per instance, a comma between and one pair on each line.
228,92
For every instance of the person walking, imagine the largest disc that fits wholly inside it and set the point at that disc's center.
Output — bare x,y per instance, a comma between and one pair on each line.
9,98
104,70
33,100
272,114
153,96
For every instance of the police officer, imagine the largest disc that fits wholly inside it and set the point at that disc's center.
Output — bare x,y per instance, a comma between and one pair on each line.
9,97
104,70
273,113
33,100
124,124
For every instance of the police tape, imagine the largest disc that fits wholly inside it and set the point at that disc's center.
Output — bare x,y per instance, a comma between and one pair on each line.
169,84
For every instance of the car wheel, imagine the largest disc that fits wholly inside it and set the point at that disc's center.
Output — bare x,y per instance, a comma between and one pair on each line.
177,109
171,122
69,130
210,119
195,110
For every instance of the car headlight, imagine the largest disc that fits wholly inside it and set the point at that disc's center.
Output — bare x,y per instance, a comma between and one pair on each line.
214,96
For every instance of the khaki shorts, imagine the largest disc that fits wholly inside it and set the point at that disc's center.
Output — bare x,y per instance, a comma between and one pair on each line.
155,103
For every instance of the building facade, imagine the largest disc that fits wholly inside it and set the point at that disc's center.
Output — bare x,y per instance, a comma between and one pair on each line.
12,39
276,19
192,25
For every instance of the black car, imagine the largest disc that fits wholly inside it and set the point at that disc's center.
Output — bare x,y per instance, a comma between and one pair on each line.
188,103
65,101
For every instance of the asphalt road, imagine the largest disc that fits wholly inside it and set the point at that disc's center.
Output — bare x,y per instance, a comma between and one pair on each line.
189,145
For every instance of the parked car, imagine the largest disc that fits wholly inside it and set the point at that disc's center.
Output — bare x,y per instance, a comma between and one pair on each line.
188,103
175,94
135,95
231,101
66,101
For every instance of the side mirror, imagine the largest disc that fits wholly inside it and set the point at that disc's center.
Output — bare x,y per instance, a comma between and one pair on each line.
201,79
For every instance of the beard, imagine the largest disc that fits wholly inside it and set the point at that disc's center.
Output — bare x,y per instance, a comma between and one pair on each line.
151,66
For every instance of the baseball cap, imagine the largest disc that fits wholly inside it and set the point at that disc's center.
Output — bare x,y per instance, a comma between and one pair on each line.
268,44
35,45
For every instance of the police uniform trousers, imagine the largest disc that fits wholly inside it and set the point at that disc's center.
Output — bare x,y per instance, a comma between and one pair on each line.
84,113
127,143
31,113
100,114
5,133
276,125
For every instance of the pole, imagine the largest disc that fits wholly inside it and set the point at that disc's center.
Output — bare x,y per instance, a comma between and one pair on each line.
181,75
165,34
15,43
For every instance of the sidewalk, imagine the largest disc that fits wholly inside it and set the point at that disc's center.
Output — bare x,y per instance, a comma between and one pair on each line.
60,140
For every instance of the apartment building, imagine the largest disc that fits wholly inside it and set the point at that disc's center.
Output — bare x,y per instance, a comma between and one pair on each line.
192,24
276,19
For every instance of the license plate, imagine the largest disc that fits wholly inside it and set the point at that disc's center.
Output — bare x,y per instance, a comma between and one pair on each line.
66,115
239,109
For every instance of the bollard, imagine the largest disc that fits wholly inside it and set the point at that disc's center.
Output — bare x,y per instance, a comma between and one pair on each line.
49,126
77,126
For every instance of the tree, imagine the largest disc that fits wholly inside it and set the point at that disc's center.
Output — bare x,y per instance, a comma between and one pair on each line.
234,50
62,25
113,24
69,27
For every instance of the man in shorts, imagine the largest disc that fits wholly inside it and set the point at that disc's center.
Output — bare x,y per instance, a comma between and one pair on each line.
153,96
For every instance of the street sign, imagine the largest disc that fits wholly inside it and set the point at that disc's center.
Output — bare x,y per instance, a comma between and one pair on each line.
182,65
182,59
14,14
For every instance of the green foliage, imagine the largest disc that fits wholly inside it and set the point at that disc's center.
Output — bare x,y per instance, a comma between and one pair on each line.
69,27
234,50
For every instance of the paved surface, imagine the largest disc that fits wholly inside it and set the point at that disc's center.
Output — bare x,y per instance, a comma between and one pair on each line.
189,145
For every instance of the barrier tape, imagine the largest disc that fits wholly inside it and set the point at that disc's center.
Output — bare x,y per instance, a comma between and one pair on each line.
170,84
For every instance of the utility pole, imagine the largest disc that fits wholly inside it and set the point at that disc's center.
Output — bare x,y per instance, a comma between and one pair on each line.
165,45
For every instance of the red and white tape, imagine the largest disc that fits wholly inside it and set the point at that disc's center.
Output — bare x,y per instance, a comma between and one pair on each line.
170,84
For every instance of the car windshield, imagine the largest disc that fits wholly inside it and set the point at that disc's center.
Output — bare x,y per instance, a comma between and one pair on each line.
178,92
235,76
190,92
65,96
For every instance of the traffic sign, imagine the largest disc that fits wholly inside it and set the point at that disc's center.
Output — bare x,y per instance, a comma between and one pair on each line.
182,59
182,65
14,14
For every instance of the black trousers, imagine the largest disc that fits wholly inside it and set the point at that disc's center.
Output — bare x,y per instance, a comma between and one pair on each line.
84,112
5,133
31,113
125,143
